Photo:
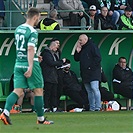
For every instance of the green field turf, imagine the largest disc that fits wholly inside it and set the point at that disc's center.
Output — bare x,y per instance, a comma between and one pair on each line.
85,122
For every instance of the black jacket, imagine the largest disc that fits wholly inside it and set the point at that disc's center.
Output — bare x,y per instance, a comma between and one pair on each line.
125,76
49,65
90,60
70,81
105,22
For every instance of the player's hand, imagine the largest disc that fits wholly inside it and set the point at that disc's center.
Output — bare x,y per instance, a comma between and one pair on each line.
28,73
40,58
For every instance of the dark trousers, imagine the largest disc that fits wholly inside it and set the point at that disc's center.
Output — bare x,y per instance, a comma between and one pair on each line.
126,92
79,97
59,86
50,95
106,95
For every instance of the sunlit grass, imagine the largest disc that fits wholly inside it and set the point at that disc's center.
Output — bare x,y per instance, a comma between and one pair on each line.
85,122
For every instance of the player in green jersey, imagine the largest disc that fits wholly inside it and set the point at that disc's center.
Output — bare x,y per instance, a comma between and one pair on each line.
27,71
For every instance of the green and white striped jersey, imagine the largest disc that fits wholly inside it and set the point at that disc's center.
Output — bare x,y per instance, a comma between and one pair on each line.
25,35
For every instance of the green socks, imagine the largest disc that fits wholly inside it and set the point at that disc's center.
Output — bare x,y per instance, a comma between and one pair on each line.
39,105
10,101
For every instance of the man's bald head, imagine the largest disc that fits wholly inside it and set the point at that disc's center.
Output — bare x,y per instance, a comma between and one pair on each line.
83,39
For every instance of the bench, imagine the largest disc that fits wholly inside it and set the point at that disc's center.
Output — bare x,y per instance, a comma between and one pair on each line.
128,101
2,96
118,96
64,98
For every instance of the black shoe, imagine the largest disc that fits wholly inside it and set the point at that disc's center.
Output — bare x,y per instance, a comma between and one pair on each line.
46,122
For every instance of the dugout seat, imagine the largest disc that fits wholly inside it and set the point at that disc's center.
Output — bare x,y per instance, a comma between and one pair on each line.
118,96
105,85
64,98
7,89
2,96
128,101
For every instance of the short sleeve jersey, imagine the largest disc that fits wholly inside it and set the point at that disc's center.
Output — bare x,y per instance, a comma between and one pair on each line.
25,35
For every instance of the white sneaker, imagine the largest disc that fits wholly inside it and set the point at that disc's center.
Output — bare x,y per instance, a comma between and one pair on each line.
55,109
46,109
78,109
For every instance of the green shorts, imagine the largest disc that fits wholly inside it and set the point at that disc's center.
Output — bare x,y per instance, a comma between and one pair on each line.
20,81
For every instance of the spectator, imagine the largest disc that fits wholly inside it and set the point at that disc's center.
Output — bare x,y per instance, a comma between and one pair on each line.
2,14
106,95
71,18
49,23
90,21
104,20
123,79
126,20
120,6
110,5
49,66
73,89
88,54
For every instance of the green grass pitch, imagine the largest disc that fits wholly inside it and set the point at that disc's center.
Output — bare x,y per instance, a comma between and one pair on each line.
85,122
